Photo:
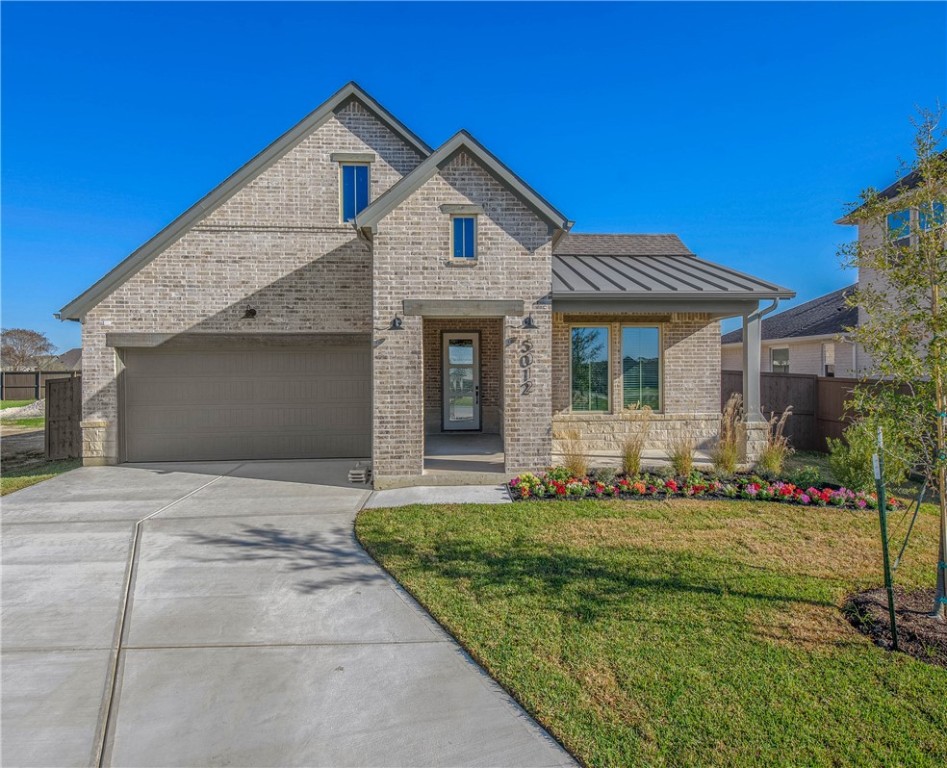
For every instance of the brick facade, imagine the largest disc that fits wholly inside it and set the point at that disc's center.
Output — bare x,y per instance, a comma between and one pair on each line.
277,245
412,261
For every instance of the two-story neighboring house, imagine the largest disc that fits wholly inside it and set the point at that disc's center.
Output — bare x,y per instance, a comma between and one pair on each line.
352,292
810,338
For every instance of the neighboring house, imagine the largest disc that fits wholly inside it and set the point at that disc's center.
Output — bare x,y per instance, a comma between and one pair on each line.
811,338
352,292
900,226
71,360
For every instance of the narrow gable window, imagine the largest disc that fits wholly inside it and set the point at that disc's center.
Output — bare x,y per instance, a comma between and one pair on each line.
465,237
590,368
354,190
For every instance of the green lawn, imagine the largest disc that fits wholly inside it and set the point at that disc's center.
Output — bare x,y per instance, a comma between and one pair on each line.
37,422
30,472
4,404
678,633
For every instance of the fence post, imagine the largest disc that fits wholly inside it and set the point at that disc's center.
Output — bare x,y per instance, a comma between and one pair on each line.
36,387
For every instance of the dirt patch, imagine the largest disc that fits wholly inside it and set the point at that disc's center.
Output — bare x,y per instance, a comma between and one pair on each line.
919,635
812,627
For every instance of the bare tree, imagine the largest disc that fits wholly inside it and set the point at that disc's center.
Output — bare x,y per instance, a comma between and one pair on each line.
21,349
902,262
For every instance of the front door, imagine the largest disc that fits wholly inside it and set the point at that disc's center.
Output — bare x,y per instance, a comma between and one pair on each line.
461,381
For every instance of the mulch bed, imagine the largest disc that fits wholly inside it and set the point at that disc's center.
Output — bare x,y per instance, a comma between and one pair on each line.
919,635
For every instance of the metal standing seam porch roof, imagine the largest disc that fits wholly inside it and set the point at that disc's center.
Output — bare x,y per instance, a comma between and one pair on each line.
643,267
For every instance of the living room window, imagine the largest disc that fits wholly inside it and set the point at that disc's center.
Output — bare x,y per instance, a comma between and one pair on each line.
465,237
590,368
355,178
779,360
641,366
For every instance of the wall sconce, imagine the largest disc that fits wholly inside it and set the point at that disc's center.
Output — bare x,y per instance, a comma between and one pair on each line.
396,323
529,324
249,313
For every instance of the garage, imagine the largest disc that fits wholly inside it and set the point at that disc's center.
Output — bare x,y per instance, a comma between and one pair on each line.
246,399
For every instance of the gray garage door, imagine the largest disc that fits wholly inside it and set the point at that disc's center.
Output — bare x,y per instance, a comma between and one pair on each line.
247,401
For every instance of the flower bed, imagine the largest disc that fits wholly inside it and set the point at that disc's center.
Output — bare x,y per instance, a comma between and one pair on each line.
557,484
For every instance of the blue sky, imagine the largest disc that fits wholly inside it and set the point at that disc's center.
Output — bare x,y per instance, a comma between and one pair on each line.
742,127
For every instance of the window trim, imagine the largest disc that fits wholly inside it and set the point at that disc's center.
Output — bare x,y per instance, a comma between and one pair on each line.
344,164
476,239
608,348
621,362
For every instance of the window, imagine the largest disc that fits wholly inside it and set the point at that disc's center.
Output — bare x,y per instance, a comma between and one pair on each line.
590,369
641,367
930,216
899,224
465,237
354,190
828,359
779,360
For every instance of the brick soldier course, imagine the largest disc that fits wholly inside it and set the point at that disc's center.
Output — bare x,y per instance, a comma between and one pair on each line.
271,238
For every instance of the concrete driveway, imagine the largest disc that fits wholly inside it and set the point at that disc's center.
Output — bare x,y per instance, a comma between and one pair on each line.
223,614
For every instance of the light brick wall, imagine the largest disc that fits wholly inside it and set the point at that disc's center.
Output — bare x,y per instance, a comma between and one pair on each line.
491,370
690,375
412,261
277,245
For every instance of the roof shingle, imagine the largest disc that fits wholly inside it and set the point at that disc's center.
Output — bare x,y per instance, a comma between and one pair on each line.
823,316
621,245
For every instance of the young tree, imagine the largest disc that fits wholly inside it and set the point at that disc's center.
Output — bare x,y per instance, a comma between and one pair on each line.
901,255
21,348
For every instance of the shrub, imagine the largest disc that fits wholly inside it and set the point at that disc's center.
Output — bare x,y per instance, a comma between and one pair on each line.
605,475
777,448
681,454
727,450
805,477
559,474
850,458
634,442
574,456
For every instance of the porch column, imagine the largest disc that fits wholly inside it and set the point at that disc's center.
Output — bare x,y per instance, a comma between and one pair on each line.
757,427
751,367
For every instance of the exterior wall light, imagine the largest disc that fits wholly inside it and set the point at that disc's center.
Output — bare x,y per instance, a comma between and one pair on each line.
529,324
396,323
249,313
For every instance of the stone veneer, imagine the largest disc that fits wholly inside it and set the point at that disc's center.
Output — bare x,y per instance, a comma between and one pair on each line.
690,365
277,245
412,261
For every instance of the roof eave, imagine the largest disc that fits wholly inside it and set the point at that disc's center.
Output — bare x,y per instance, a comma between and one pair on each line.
664,296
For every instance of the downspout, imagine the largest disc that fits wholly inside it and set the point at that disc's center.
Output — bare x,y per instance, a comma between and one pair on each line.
751,404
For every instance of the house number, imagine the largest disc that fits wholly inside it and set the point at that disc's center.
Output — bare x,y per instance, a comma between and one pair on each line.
526,363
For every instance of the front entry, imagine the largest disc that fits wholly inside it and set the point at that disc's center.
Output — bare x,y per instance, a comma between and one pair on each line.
461,381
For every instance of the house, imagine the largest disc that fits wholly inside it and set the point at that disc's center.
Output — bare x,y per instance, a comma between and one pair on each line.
811,338
71,360
901,227
352,292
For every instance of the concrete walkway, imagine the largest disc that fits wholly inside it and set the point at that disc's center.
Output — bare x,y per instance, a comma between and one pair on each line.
223,614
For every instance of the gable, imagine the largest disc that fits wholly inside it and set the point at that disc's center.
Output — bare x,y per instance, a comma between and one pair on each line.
277,187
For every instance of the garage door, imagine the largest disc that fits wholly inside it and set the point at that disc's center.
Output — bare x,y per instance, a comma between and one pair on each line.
247,401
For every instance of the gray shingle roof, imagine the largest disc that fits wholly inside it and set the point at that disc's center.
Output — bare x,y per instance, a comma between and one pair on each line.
646,266
574,244
823,316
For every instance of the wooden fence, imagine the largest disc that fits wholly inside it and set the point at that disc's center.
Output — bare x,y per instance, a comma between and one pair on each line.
29,385
818,404
63,414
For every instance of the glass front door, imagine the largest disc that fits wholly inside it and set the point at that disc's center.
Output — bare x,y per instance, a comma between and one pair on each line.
461,381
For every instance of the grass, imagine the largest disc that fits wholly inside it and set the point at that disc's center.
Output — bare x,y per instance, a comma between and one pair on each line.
678,633
4,404
37,422
23,472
